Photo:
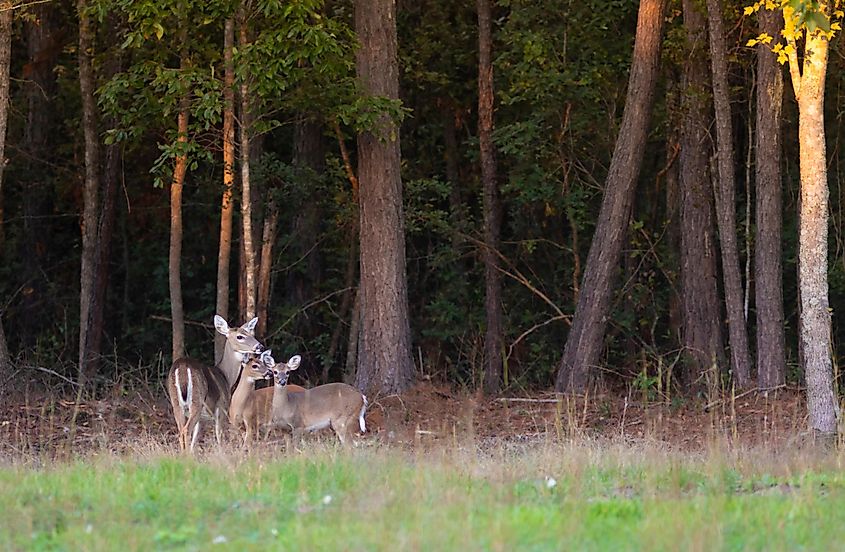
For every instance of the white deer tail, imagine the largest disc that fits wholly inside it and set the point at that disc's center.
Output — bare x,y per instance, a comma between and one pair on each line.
361,422
184,398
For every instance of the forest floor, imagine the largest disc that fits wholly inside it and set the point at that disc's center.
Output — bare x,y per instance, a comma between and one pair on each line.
37,423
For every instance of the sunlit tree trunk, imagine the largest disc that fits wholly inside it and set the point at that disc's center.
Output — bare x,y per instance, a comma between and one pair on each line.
224,252
492,208
384,345
246,191
725,187
175,265
702,329
808,79
768,267
584,345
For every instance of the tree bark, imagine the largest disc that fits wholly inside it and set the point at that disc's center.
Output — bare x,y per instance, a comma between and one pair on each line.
5,59
768,268
224,252
491,205
814,314
91,187
271,225
246,191
308,159
5,62
725,188
44,40
702,334
177,312
384,352
584,344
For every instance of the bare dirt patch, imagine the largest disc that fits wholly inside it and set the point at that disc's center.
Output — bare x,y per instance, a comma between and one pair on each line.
49,425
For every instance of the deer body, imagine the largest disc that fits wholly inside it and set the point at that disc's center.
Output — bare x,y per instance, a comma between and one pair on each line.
195,388
335,405
251,407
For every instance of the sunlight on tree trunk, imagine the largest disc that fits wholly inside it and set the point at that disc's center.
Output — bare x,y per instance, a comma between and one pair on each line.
224,253
246,192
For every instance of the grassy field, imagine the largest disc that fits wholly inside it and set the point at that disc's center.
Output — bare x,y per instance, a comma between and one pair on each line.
585,496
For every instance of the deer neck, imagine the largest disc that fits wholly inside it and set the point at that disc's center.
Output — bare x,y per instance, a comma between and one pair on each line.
230,364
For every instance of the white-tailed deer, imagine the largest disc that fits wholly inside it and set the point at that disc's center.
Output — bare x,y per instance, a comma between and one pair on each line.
335,405
195,388
251,407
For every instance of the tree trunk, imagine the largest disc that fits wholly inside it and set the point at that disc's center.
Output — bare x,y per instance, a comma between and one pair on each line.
246,191
814,314
176,310
103,239
491,204
5,61
702,334
5,58
768,268
384,352
271,225
224,252
91,188
726,200
43,45
308,156
584,344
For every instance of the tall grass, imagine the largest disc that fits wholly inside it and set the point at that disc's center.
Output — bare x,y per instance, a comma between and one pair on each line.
583,496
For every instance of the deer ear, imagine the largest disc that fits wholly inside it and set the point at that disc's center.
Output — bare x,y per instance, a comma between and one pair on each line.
294,361
249,327
221,324
267,358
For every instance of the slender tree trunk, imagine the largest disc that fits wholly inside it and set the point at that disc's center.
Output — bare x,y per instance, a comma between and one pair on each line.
5,61
104,235
5,58
271,225
224,253
91,188
176,310
43,45
814,314
768,269
726,200
584,344
492,208
702,334
246,191
384,352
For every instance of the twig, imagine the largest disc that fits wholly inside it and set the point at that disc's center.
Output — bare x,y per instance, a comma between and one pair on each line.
520,399
710,405
54,373
187,322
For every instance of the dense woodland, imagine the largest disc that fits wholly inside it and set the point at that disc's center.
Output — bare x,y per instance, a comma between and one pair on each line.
500,194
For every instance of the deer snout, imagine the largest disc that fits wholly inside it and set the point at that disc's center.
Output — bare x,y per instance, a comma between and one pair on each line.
259,348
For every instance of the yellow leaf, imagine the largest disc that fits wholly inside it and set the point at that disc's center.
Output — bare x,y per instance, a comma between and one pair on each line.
748,10
782,57
752,42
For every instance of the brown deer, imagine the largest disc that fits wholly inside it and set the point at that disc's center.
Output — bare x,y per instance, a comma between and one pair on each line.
334,405
194,387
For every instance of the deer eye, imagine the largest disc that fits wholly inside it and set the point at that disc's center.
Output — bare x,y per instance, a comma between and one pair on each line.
240,338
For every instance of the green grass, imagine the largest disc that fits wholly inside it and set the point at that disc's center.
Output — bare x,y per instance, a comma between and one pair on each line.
606,497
